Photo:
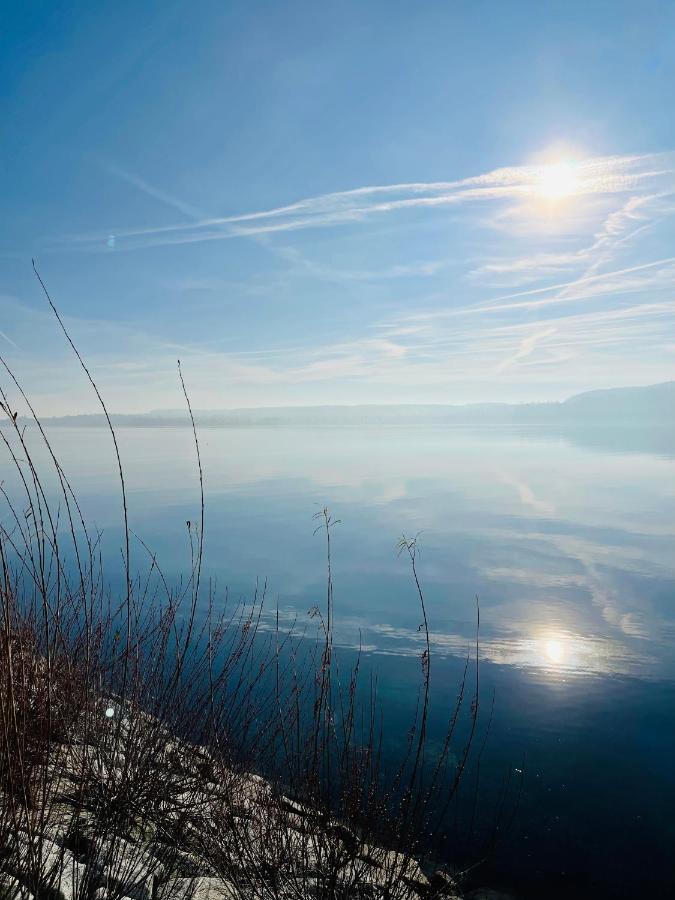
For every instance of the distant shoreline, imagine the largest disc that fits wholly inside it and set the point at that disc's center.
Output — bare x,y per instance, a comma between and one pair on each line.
652,406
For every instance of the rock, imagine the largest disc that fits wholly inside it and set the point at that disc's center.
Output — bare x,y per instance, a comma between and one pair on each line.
79,838
70,763
181,864
127,867
11,889
362,880
298,809
205,818
303,850
249,791
345,836
103,894
197,889
488,894
297,822
444,885
47,865
403,867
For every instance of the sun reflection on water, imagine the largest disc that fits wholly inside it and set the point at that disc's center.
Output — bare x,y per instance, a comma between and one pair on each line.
555,651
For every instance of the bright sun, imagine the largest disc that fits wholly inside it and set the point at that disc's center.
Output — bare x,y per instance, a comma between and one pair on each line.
555,650
557,181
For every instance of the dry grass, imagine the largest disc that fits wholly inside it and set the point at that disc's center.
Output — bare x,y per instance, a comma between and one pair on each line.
198,697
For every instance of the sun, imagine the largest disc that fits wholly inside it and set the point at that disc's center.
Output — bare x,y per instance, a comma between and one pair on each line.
557,181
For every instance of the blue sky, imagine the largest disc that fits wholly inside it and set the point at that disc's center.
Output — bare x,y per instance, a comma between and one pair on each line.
337,203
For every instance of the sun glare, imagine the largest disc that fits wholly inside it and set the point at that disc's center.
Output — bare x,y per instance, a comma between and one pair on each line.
555,651
557,181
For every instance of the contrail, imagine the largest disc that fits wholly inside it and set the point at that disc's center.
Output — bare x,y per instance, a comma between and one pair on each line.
601,175
8,339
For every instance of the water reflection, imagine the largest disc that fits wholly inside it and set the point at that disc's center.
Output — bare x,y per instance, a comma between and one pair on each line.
544,654
568,549
555,650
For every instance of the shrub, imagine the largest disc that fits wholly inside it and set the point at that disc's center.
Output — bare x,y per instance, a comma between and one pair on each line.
132,725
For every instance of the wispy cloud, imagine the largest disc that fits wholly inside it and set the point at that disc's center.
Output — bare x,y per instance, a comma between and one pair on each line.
8,339
524,269
427,307
526,347
153,191
615,282
600,176
420,269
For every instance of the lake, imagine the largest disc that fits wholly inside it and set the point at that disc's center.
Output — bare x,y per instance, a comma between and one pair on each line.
568,543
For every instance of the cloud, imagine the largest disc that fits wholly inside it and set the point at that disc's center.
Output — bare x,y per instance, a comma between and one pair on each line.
525,348
521,270
620,344
8,339
152,191
568,291
617,228
595,176
401,357
588,305
300,264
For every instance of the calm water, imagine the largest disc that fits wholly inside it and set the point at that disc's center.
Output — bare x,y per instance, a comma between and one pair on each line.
569,544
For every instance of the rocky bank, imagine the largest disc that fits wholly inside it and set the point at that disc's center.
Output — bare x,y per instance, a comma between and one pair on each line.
131,812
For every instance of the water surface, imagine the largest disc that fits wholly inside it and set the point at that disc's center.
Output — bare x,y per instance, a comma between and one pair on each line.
567,542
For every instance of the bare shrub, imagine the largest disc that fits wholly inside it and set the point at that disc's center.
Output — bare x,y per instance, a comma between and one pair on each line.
157,737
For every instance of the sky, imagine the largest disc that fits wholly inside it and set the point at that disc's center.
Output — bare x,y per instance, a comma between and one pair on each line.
355,202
